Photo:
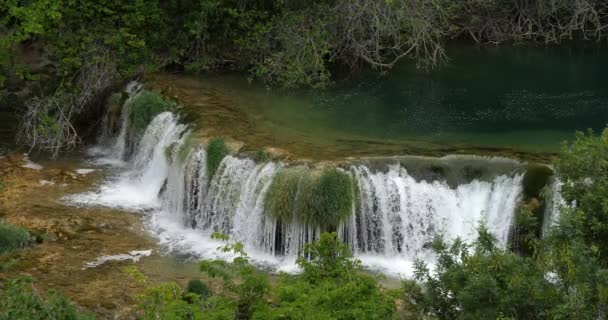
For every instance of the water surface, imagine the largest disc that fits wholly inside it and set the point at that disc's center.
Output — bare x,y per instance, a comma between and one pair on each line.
520,102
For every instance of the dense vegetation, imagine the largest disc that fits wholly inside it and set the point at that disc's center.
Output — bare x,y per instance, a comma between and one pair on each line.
332,286
59,58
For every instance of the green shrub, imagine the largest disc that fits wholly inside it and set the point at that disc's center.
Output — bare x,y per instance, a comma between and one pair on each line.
216,151
19,301
13,238
145,107
483,282
199,288
165,302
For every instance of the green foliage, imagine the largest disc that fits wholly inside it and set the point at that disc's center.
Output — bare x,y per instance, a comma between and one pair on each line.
144,107
527,230
282,192
332,286
577,249
250,285
216,151
583,166
13,238
482,281
165,302
262,156
327,257
19,301
134,273
355,298
199,288
325,199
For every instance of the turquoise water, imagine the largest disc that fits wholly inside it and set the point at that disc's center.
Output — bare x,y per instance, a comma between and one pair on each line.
512,99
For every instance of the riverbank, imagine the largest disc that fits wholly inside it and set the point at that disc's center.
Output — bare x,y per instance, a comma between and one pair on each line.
71,237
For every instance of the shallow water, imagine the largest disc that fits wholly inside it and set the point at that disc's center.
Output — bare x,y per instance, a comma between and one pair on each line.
485,101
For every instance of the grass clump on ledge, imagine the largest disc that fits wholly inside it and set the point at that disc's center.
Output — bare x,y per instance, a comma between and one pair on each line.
13,238
216,151
323,199
145,107
281,195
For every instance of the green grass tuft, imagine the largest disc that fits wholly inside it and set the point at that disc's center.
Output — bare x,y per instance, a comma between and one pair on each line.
216,151
262,156
281,195
324,200
13,238
145,107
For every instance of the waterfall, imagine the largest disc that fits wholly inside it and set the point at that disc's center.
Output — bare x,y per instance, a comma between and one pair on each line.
395,214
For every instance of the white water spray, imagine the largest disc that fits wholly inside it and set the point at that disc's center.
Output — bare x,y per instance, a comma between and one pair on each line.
394,217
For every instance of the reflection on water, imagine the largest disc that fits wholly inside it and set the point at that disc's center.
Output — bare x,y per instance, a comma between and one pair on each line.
509,100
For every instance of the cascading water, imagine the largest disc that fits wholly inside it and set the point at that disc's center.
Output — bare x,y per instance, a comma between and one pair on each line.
398,215
394,215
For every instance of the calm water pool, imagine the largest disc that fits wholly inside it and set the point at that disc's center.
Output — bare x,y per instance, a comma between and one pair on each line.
519,101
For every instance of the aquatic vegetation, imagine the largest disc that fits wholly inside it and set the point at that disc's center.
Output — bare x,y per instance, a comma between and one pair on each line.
216,151
13,238
145,107
324,199
262,156
281,195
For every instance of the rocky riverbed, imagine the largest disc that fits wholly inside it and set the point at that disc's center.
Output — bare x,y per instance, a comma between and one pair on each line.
70,238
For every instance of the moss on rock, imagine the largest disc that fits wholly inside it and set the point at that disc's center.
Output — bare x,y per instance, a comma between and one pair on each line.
216,151
536,178
146,106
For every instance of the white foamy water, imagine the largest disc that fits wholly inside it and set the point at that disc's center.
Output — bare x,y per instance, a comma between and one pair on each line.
392,224
133,256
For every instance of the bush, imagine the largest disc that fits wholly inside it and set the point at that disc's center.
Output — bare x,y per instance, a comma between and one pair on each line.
13,238
196,286
482,281
216,151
